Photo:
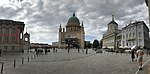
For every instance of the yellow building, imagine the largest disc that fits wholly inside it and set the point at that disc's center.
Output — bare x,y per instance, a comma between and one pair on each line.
73,35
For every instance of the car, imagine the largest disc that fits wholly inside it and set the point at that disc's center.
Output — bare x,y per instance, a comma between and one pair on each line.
128,51
99,51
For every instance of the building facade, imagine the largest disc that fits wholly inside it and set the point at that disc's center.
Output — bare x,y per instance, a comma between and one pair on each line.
109,38
73,35
136,33
148,5
11,35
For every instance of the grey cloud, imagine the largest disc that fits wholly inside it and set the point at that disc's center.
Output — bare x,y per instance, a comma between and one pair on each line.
43,17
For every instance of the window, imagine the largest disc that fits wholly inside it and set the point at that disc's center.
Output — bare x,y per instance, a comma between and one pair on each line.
13,30
13,40
0,40
74,29
5,48
3,40
0,30
7,30
123,36
130,35
127,43
6,40
133,43
133,34
139,27
13,47
129,29
139,34
140,41
126,35
133,29
70,29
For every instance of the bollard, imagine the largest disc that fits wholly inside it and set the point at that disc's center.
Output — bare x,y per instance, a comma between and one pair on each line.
14,63
28,58
2,67
22,60
116,53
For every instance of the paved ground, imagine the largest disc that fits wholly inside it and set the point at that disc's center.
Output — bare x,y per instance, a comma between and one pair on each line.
73,63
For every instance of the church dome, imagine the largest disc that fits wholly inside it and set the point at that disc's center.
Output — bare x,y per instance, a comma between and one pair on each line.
73,21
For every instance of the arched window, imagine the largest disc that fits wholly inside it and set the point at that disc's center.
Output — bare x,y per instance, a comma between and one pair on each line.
139,34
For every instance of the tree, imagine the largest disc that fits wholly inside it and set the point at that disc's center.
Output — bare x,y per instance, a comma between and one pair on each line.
95,43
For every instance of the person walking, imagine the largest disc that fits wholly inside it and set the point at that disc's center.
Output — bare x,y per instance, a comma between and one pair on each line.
132,55
140,54
86,50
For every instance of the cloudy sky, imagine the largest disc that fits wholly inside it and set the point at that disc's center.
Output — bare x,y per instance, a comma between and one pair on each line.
43,17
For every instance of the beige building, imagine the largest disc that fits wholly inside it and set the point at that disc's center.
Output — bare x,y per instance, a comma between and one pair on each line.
109,38
148,4
73,35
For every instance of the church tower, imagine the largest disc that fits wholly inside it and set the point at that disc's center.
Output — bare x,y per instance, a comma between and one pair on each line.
112,26
26,41
109,38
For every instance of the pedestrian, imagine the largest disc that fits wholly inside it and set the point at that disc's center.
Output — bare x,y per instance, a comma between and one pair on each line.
86,51
140,54
132,55
54,50
45,51
78,50
68,50
82,50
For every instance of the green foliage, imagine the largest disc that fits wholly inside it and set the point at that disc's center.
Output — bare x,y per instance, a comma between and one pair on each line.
87,44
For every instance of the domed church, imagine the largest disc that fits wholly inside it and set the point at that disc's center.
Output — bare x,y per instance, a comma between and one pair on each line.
73,35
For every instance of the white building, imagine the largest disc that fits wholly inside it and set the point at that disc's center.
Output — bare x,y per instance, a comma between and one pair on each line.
136,33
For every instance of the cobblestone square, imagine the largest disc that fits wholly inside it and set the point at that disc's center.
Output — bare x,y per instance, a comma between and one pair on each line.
72,63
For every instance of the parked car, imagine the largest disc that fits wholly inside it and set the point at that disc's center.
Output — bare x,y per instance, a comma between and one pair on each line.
127,51
99,51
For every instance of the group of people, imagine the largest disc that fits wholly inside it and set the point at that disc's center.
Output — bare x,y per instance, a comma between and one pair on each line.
139,56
